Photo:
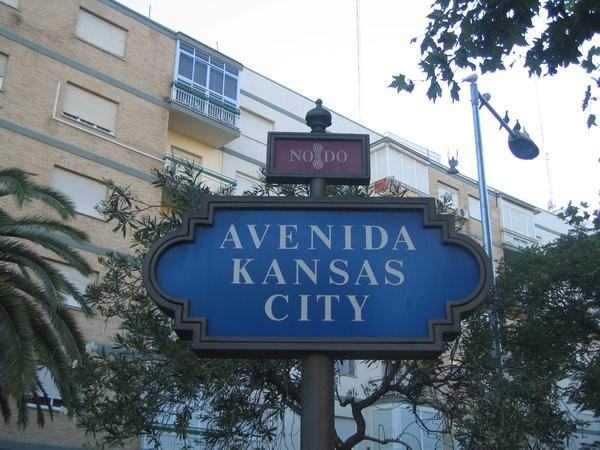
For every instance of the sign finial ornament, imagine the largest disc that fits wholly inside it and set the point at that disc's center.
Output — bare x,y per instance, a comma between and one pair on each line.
318,118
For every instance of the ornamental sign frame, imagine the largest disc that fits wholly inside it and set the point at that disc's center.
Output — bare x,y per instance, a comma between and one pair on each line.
276,277
337,158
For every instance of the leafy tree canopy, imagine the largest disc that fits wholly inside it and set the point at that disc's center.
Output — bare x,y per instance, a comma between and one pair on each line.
544,37
550,299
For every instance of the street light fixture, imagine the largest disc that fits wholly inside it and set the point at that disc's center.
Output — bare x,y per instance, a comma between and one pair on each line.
519,143
521,146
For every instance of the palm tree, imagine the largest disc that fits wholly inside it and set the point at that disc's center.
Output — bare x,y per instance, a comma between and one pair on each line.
36,329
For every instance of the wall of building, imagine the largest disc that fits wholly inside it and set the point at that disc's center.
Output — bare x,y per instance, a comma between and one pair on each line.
44,56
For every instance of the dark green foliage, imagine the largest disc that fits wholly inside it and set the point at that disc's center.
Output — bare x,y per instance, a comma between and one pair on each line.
36,329
484,401
581,217
552,300
495,35
499,403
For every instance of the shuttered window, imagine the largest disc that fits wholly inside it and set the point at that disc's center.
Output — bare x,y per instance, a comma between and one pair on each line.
3,61
77,279
101,33
474,208
85,192
449,194
90,109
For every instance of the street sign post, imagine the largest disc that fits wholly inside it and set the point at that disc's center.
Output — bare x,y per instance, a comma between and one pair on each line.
317,278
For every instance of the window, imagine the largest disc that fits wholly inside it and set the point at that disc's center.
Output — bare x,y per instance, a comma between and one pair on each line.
518,221
3,61
207,74
184,154
346,367
50,397
411,173
101,33
90,109
85,192
474,208
449,195
77,279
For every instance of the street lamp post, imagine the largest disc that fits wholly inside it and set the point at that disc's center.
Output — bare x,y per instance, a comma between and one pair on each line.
520,145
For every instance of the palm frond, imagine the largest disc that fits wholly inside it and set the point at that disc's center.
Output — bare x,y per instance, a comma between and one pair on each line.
17,354
18,183
15,226
36,328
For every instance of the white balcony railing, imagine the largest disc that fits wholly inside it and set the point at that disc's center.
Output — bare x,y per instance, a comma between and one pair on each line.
198,103
215,181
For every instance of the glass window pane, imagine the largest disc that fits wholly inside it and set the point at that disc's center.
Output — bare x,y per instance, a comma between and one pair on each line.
519,223
3,60
230,87
449,194
217,63
186,48
202,56
216,81
200,73
186,65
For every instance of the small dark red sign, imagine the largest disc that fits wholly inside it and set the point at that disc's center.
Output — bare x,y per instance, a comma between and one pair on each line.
300,157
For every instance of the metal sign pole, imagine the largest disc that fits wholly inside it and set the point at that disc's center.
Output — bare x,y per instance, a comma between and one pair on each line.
317,421
317,386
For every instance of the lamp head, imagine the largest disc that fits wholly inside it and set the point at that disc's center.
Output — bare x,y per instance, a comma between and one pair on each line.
521,145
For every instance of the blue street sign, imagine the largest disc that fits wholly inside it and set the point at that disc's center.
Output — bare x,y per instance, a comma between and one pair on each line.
360,278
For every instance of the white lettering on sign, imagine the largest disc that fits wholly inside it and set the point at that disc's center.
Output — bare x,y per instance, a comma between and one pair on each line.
335,271
323,307
374,237
309,156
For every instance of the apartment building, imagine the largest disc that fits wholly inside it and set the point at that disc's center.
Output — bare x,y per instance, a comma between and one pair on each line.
90,90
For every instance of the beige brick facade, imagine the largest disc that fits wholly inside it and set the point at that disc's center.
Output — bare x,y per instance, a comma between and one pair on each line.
44,55
466,188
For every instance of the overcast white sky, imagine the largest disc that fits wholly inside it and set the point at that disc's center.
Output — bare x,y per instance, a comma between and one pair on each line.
311,46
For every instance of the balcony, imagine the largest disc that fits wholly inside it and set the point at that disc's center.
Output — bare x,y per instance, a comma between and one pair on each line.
216,182
391,185
513,240
194,114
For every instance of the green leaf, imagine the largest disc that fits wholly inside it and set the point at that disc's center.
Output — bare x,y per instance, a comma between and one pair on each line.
591,121
434,91
400,83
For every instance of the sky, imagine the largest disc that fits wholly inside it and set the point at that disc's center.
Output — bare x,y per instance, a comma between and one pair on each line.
346,53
